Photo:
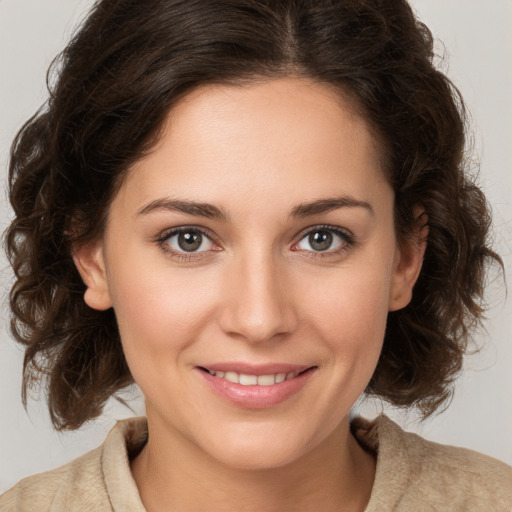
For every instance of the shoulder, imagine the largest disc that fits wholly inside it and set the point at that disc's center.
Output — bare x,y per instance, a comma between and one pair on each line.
416,474
94,481
52,489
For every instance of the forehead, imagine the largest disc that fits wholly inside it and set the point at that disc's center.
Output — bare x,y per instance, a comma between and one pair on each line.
261,138
269,112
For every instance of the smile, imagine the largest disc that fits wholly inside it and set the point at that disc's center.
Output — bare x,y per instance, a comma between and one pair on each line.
256,388
253,380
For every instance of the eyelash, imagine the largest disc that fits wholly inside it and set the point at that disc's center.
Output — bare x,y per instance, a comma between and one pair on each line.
347,238
164,238
344,235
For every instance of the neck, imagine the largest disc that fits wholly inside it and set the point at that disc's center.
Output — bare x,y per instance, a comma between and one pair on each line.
172,474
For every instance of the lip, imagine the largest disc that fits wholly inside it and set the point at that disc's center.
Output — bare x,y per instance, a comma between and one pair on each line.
256,396
255,369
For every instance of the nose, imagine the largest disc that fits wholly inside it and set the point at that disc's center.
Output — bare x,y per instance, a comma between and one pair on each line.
257,303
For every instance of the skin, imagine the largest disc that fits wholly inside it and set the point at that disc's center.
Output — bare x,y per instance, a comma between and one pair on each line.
259,292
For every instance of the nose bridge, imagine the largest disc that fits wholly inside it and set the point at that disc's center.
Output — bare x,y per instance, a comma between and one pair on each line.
257,304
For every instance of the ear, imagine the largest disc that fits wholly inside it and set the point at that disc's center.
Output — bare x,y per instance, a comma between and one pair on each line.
408,262
90,264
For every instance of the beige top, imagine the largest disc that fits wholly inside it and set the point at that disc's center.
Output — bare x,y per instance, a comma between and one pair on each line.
412,475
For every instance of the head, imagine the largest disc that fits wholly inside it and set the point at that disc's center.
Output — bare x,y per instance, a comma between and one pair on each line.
133,65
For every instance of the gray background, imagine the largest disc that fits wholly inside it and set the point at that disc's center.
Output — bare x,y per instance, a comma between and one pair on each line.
478,41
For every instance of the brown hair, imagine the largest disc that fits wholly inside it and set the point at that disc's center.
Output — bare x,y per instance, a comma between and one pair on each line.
116,81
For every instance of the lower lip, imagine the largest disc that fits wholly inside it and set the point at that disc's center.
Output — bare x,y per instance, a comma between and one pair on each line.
254,396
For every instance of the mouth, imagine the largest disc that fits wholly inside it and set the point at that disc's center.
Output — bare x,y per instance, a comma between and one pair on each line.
250,379
256,387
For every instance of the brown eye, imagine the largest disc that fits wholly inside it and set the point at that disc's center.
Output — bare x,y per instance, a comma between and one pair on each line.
320,240
324,239
189,240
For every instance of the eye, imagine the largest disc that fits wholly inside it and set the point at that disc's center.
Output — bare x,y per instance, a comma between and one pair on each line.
187,240
324,239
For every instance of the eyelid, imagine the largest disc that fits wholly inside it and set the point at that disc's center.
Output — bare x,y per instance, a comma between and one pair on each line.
165,235
343,233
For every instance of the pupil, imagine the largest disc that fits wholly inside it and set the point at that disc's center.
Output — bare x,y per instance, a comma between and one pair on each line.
321,240
190,240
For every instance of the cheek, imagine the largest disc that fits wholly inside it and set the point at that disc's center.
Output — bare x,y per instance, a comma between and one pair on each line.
350,315
159,322
354,300
159,308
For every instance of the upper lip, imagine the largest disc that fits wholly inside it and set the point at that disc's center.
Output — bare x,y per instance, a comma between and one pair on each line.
255,369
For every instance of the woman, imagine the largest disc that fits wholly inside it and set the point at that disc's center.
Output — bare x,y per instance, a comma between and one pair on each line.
230,203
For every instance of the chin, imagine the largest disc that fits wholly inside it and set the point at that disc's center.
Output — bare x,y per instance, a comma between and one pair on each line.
254,449
256,457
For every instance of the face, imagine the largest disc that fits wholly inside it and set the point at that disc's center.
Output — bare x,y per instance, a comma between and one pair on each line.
251,261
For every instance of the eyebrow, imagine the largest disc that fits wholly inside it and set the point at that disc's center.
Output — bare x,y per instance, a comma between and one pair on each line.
189,207
213,212
329,204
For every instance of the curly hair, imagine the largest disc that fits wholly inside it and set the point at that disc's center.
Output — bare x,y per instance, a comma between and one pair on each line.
128,64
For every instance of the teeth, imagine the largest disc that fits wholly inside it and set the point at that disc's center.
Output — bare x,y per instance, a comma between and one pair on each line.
232,377
248,380
266,380
252,380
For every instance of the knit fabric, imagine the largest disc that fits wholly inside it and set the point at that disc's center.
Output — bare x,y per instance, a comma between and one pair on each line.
412,475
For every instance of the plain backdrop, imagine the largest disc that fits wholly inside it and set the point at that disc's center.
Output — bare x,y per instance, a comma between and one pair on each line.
477,47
